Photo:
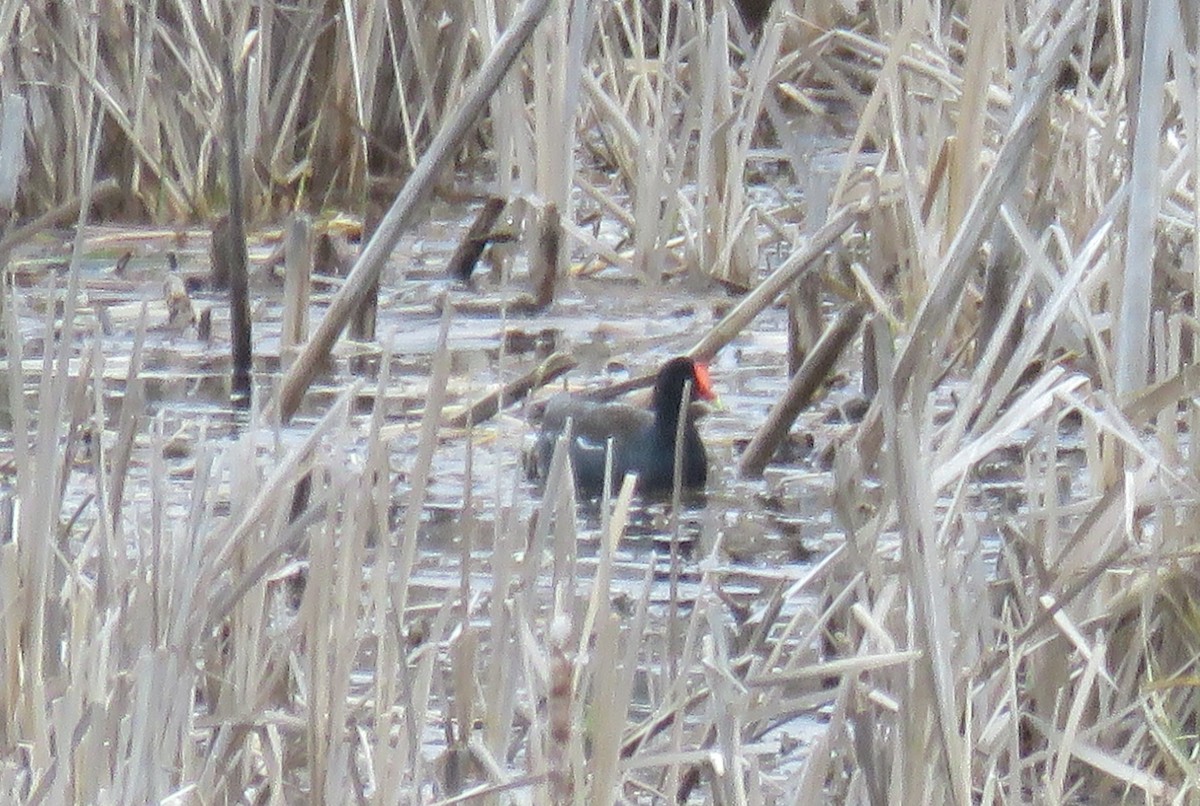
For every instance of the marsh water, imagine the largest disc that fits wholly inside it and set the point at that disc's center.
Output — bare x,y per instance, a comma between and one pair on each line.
755,534
613,327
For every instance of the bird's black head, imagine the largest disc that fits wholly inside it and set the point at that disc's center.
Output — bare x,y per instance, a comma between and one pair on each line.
668,388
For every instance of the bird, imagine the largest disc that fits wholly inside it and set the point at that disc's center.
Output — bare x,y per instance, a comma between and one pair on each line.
643,441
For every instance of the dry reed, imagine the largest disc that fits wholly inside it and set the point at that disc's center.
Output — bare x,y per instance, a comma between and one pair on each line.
218,647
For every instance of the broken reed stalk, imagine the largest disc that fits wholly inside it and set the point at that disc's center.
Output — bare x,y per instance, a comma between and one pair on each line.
1149,92
735,320
297,281
614,390
933,702
543,263
486,407
218,254
132,405
559,707
468,642
676,568
364,319
564,554
235,246
422,465
369,265
470,248
611,684
804,384
769,289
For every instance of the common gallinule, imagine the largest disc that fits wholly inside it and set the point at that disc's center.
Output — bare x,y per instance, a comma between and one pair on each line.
643,442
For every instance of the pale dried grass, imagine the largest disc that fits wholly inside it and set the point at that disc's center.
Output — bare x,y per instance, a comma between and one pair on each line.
956,653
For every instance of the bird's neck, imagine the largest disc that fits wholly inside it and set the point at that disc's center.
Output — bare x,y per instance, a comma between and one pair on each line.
667,421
